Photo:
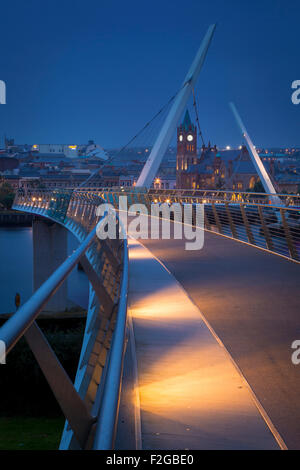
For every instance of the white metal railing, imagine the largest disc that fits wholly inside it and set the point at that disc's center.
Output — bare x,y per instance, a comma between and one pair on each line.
106,265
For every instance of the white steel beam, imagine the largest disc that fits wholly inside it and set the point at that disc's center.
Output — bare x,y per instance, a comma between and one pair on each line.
259,166
163,140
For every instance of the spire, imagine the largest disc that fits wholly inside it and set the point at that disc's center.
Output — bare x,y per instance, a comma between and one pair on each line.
187,121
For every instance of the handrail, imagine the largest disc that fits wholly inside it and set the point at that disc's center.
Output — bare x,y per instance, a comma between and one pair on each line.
99,189
273,228
106,428
218,191
182,191
113,314
16,326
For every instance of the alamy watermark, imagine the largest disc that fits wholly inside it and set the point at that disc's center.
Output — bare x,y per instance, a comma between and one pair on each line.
2,92
296,93
296,354
164,221
2,352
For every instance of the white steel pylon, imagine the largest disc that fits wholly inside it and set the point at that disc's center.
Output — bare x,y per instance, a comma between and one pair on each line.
259,166
163,140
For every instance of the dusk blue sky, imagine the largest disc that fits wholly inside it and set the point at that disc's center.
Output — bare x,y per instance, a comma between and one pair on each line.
77,70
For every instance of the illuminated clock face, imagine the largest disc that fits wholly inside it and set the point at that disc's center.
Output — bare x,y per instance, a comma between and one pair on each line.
190,138
181,138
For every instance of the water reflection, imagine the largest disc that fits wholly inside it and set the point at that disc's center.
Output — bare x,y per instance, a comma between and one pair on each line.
16,269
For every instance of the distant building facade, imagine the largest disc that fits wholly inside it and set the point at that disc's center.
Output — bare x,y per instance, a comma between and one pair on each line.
70,150
186,150
231,170
227,170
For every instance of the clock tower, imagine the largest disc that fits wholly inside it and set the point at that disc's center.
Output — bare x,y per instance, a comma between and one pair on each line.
186,149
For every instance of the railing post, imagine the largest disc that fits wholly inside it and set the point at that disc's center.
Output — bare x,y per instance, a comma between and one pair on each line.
206,221
288,236
217,218
97,284
266,230
72,406
231,222
247,225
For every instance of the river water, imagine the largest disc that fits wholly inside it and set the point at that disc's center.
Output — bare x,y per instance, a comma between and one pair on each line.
16,256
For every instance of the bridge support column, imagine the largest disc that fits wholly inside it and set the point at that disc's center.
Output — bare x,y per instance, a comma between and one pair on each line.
49,252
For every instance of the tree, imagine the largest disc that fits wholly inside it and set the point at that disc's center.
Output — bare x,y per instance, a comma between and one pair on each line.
220,184
7,195
258,188
36,184
6,188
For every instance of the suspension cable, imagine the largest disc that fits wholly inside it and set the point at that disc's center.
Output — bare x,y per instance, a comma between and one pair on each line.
197,117
136,136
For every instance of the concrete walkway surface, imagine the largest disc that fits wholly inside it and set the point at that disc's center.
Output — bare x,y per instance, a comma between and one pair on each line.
191,394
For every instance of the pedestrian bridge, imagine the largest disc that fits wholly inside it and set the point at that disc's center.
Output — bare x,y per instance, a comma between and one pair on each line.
202,339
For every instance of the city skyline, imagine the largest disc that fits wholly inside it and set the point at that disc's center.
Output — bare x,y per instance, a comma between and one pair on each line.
73,73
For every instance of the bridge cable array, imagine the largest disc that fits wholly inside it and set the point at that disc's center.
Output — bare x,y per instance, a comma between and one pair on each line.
145,137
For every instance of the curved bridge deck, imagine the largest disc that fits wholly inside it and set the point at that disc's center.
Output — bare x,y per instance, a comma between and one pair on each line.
251,300
190,393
